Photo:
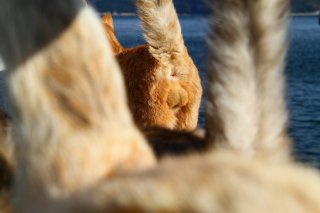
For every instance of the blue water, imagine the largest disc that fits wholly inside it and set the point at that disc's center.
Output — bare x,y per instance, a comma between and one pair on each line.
303,77
303,74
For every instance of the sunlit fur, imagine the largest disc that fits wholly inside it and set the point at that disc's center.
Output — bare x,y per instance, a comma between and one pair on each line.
246,110
223,182
57,173
72,126
108,25
163,84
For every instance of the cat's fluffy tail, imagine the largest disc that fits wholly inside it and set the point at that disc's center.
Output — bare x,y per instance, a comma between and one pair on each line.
246,109
161,27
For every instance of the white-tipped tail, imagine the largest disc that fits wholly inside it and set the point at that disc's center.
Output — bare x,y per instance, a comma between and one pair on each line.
161,26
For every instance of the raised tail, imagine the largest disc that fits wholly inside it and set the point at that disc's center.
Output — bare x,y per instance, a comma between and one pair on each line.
161,27
246,109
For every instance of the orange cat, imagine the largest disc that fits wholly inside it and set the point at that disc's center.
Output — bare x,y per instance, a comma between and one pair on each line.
162,82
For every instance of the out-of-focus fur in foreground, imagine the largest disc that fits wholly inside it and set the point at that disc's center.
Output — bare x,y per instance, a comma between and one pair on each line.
163,84
72,127
246,108
71,124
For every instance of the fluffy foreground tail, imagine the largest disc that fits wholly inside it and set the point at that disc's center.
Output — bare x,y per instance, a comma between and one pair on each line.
246,108
161,27
225,182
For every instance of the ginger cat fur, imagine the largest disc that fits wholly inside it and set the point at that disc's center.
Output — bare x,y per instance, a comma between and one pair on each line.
227,179
108,25
162,82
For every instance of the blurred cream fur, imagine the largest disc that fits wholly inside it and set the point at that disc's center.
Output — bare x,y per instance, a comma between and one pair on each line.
246,109
59,171
73,128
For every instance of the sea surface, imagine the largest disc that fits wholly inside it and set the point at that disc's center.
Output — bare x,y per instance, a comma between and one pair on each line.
303,74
